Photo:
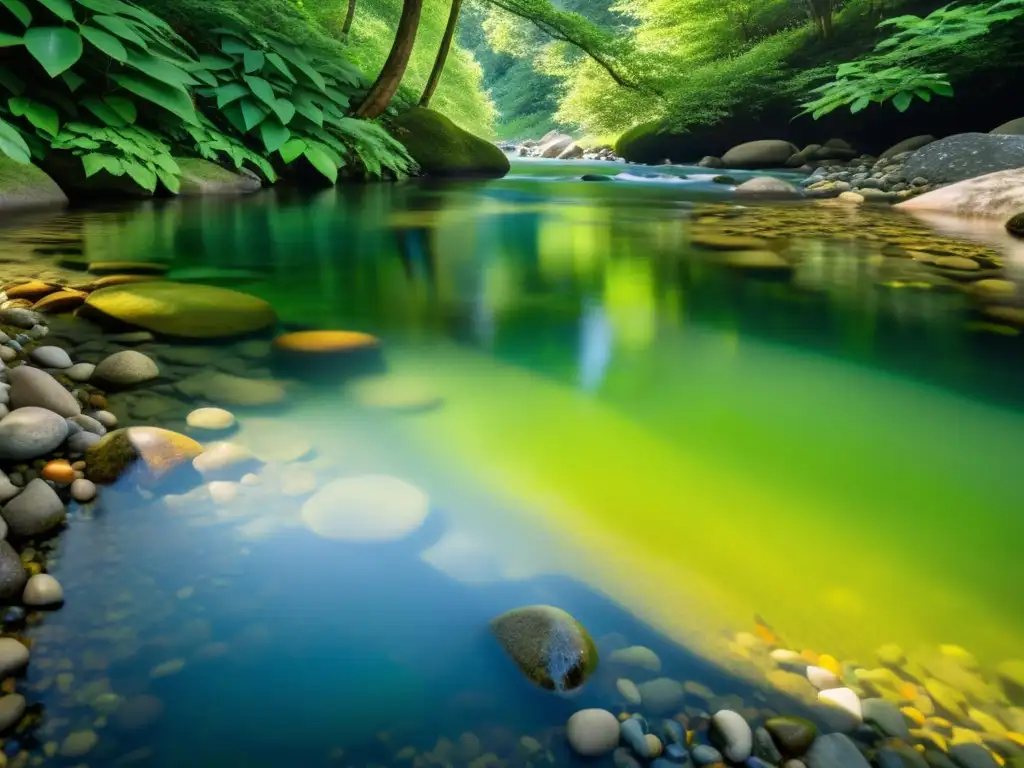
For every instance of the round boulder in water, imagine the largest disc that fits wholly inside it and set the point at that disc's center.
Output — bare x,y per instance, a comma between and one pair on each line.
548,645
157,452
211,419
30,432
593,732
732,735
42,591
35,511
368,508
182,310
125,369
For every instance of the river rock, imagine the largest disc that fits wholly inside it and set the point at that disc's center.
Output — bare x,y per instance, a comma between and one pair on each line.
14,657
50,357
30,432
843,698
12,573
211,419
633,732
1013,127
155,453
636,656
623,758
912,144
42,590
182,309
12,707
792,735
702,754
549,646
554,146
83,490
35,511
20,318
767,187
79,743
80,371
835,750
226,389
887,717
89,424
8,490
821,678
33,387
972,756
366,508
593,732
661,695
766,153
764,747
965,156
219,459
628,690
732,735
126,369
995,195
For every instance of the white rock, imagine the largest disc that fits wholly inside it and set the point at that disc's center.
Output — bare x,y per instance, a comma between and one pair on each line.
80,371
50,357
126,368
843,698
592,732
732,734
367,508
996,195
214,419
629,691
222,457
13,656
822,678
784,655
83,490
106,418
43,590
637,656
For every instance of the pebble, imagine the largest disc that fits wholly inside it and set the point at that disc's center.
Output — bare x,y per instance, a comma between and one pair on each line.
212,419
732,735
59,471
80,371
661,695
125,369
793,735
106,418
957,262
223,491
167,668
89,424
12,573
34,387
81,442
50,357
844,698
13,656
7,354
702,754
222,457
632,732
887,717
43,590
822,678
79,743
835,751
12,707
367,508
654,745
765,748
83,490
672,732
637,656
35,511
972,756
8,490
621,758
593,732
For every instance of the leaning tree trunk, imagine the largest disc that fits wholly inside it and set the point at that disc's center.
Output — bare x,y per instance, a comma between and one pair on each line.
348,18
442,54
379,96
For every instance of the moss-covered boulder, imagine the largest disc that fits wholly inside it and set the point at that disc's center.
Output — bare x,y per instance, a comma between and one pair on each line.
25,186
181,309
153,453
548,645
441,148
201,177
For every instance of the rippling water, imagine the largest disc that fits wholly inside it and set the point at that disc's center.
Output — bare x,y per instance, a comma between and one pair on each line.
632,429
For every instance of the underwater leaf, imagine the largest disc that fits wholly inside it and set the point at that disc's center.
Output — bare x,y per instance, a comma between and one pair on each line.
105,41
122,29
322,161
41,116
13,145
280,65
253,61
902,100
19,10
60,8
175,100
56,48
229,93
274,134
292,149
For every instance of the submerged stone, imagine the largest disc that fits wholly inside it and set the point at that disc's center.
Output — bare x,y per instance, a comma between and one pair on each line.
792,735
367,508
548,645
157,452
592,732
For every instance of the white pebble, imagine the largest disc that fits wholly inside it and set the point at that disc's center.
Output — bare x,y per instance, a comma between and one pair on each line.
843,698
593,732
215,419
629,691
106,418
83,490
250,479
43,590
782,655
822,678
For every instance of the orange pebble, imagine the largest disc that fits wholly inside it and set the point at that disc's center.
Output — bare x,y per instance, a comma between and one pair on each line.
831,664
325,341
766,634
98,401
59,471
914,715
908,691
809,656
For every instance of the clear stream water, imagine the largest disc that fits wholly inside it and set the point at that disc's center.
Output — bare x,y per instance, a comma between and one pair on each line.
660,445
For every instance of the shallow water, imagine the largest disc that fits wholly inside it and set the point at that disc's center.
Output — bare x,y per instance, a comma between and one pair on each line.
662,445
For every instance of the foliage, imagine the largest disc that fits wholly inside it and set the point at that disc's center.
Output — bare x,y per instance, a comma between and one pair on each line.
123,150
901,67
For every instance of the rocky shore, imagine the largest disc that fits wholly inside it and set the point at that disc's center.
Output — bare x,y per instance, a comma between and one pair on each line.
558,146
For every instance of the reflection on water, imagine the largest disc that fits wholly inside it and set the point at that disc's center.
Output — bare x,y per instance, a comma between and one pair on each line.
662,437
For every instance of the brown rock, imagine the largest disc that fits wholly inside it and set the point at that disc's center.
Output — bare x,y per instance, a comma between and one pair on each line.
60,301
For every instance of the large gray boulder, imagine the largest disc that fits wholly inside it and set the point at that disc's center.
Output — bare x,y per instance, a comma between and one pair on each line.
554,146
912,144
35,511
28,433
767,187
25,186
33,387
965,156
766,153
994,195
1011,127
201,177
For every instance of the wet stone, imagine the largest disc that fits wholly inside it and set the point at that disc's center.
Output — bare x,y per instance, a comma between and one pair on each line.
13,656
764,747
793,735
702,754
972,756
732,735
886,717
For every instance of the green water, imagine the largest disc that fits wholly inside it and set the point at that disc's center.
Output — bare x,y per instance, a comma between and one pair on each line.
698,445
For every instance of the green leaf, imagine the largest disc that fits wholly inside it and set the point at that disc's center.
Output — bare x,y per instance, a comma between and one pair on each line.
923,94
41,116
274,135
312,74
292,149
860,104
170,180
941,88
160,68
902,100
174,99
122,29
252,113
232,46
105,41
56,48
284,110
279,64
141,175
233,112
104,112
123,106
229,93
74,81
320,160
19,10
215,63
60,8
13,144
253,61
261,89
166,162
94,162
8,41
11,81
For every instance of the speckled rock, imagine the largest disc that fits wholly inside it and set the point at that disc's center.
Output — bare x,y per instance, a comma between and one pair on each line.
12,573
35,511
549,646
126,369
43,591
593,732
14,657
33,387
965,156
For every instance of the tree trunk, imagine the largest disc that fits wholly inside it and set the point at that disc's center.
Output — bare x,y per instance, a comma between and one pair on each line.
442,54
379,96
348,18
821,13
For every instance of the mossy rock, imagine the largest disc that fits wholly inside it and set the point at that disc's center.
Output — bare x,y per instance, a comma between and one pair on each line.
182,310
1015,225
159,453
201,177
548,645
441,148
25,186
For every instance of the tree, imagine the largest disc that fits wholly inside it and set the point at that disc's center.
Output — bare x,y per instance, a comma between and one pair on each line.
349,16
442,53
378,98
821,14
